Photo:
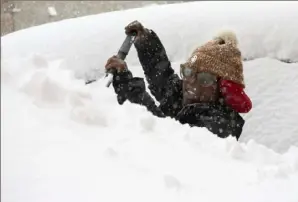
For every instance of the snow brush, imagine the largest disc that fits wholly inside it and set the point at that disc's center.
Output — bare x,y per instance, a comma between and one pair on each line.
122,53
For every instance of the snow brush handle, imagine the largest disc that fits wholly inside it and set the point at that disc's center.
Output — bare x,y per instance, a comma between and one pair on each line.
122,53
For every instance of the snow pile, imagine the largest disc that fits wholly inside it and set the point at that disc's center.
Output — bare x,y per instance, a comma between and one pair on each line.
264,30
65,141
272,85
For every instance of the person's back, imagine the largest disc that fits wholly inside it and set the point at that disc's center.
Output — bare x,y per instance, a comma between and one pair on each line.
208,94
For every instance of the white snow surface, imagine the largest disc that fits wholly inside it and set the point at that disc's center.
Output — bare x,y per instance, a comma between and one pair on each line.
62,140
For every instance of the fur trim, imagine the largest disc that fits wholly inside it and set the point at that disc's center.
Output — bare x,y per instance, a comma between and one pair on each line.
227,36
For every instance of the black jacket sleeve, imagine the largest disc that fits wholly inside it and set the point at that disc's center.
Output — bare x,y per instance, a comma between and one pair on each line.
163,83
133,89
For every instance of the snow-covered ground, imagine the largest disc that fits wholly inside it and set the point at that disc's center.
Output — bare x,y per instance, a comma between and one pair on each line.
64,141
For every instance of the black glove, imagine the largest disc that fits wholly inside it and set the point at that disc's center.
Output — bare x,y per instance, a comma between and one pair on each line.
137,29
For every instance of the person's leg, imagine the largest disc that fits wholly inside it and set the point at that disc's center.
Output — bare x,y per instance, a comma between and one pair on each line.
218,119
224,122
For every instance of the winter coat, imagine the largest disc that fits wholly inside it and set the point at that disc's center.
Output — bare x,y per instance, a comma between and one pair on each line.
221,118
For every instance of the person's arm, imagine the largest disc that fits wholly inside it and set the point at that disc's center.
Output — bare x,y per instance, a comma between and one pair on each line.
157,68
235,97
131,88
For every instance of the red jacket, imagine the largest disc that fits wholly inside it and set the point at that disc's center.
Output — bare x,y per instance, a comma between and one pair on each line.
235,96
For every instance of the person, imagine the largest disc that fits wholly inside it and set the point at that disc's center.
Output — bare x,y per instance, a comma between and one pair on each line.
210,92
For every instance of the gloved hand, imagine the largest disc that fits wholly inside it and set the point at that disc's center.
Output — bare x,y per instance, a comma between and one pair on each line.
115,63
135,28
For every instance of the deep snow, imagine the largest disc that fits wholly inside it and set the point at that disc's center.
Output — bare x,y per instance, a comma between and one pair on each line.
64,141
